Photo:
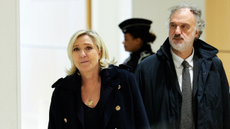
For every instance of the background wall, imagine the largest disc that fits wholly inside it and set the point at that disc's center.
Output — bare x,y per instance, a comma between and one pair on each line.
106,15
9,65
46,28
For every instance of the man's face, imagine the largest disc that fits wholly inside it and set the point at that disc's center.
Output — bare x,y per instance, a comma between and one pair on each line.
182,31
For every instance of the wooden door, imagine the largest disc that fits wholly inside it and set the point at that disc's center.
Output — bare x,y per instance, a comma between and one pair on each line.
217,17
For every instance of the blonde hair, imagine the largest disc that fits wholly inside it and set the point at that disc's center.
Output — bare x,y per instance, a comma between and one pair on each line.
104,61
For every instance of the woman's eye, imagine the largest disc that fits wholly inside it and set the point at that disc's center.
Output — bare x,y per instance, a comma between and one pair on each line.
88,48
75,49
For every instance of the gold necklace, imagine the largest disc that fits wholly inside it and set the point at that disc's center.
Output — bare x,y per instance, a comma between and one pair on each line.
90,102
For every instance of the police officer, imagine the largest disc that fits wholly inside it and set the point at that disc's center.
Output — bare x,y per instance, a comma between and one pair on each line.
136,40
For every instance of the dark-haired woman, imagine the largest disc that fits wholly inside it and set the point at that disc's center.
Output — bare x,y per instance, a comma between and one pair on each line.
136,40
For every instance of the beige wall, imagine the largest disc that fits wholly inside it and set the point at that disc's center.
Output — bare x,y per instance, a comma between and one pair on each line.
9,66
217,30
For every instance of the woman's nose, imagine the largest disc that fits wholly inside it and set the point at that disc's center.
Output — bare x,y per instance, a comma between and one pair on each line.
82,54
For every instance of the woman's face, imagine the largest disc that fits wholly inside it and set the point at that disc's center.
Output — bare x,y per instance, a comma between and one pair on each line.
86,55
131,44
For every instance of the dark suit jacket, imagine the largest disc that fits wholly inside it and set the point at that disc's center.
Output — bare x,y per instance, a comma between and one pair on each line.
122,106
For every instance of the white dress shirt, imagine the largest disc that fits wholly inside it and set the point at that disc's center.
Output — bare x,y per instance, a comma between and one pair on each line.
179,67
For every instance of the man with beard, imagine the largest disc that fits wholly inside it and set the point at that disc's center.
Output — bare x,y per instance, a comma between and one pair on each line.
184,85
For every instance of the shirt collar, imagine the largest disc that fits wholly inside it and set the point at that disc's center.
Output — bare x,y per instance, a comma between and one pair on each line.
178,60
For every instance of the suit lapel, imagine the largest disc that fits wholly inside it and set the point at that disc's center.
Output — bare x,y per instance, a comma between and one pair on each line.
195,86
174,76
108,94
109,98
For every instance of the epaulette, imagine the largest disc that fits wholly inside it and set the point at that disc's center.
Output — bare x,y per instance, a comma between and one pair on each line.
60,80
129,68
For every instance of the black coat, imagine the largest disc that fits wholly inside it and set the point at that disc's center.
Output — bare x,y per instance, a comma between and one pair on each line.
161,94
123,108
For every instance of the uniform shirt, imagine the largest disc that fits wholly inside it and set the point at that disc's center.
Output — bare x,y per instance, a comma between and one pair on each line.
179,67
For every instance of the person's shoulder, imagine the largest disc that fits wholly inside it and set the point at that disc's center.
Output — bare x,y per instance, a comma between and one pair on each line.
125,67
217,62
150,60
124,71
120,69
60,81
216,59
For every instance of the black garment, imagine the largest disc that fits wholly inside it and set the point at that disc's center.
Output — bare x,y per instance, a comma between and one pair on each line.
92,116
161,94
120,107
136,57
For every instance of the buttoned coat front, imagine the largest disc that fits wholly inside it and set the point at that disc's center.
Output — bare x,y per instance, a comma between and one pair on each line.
161,94
123,107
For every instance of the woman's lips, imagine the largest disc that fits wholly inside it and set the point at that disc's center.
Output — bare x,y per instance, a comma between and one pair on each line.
84,61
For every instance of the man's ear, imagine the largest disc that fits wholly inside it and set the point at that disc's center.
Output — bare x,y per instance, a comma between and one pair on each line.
197,34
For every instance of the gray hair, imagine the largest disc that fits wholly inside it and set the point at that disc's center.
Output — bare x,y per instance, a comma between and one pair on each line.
200,23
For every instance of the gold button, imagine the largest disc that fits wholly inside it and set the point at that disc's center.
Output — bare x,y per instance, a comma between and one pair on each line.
118,108
119,87
65,120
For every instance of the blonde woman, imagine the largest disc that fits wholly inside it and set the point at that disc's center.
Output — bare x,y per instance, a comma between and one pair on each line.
96,94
